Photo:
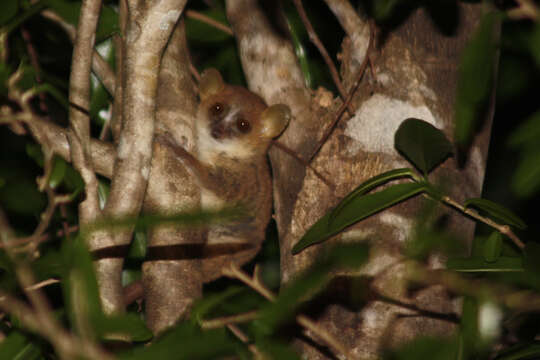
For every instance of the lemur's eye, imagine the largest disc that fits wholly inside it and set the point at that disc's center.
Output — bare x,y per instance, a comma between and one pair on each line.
216,109
243,125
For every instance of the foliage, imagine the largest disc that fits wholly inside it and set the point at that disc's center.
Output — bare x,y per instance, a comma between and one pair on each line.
494,258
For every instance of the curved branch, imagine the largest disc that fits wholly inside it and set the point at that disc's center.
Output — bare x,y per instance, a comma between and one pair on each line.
268,60
100,67
54,137
79,94
355,27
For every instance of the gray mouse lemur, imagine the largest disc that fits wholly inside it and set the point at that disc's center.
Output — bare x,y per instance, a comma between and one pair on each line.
234,129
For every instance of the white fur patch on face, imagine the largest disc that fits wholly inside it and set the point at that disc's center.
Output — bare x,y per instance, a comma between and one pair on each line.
209,148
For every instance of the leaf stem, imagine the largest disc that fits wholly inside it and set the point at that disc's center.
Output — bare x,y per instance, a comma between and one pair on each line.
503,229
310,325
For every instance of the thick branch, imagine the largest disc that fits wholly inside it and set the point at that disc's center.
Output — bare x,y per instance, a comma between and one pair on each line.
356,28
55,138
79,94
149,27
171,190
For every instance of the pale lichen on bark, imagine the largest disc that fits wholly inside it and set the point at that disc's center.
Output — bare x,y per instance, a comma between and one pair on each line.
359,148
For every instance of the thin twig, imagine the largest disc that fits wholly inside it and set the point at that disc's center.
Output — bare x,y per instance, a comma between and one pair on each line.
518,299
40,317
227,320
349,98
208,20
25,240
503,229
100,67
255,283
301,160
326,57
42,284
32,54
243,337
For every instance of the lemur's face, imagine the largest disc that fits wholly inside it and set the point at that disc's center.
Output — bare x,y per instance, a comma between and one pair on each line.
234,121
232,113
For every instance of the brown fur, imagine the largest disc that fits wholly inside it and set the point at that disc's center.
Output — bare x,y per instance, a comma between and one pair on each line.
237,175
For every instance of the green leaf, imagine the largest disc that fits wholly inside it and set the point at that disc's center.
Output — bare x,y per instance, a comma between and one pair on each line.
34,152
383,9
357,209
130,275
73,180
527,133
307,284
80,287
103,193
20,195
8,9
497,211
58,172
423,144
426,348
361,207
276,350
521,351
372,183
137,249
476,75
18,347
468,334
49,265
193,218
533,43
203,306
479,264
427,240
69,11
199,31
531,257
296,28
100,99
130,325
108,23
16,21
526,179
185,341
492,247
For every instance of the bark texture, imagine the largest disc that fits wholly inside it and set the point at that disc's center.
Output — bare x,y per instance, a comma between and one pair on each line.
414,74
170,284
415,69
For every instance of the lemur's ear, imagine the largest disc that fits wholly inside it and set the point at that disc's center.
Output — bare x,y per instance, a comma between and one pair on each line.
211,83
274,120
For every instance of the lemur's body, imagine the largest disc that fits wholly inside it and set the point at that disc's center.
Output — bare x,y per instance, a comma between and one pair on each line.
234,130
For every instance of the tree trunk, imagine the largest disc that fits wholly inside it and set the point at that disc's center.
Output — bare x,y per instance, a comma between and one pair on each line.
414,74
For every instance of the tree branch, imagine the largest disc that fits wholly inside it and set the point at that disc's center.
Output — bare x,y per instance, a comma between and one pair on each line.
79,94
100,67
355,27
302,320
329,63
